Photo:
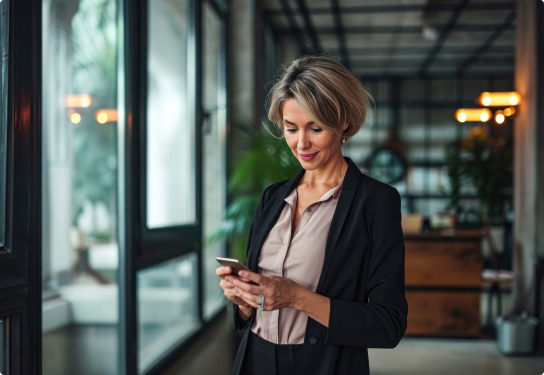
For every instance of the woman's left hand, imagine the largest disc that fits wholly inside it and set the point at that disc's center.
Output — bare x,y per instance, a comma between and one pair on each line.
278,292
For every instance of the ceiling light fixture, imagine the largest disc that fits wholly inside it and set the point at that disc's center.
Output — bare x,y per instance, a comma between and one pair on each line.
473,115
499,99
106,115
78,101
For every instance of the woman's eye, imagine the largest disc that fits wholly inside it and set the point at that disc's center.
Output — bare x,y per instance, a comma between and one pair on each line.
316,130
291,130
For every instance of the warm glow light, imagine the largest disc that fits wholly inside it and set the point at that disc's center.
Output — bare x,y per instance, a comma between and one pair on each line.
106,115
499,117
78,101
85,102
513,99
509,111
473,114
498,99
75,118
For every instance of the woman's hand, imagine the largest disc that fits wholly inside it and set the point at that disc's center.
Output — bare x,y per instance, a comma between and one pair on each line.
278,292
230,292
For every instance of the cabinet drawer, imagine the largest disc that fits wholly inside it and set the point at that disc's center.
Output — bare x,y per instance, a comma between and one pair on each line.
448,263
443,313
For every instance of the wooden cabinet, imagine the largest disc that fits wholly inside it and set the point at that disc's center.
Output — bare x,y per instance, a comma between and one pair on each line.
443,273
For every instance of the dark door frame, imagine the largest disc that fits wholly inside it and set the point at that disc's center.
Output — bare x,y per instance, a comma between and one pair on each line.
20,258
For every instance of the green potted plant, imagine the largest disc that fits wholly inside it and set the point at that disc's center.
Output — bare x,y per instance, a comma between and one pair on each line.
486,163
268,160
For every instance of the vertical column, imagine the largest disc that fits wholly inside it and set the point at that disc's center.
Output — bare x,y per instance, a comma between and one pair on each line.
528,151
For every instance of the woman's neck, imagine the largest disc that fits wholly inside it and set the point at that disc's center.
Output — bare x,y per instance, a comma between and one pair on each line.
331,173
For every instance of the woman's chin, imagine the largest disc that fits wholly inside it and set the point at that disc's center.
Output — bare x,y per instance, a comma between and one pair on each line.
309,165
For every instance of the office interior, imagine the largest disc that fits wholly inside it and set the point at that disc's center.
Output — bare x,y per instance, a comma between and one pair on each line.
143,148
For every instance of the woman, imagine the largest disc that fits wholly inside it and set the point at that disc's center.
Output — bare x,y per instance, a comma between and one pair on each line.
325,248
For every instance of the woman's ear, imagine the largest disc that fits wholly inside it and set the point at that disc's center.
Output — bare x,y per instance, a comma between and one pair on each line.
346,127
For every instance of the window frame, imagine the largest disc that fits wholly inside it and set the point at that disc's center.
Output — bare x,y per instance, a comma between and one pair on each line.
20,258
141,247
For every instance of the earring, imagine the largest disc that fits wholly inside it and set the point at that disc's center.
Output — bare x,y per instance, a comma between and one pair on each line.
343,140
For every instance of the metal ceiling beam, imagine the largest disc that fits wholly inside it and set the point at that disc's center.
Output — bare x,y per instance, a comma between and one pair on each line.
339,30
407,50
290,15
450,25
445,29
403,8
487,44
310,30
366,76
396,63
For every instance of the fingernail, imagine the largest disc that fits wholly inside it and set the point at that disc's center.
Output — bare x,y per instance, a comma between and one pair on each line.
243,273
225,268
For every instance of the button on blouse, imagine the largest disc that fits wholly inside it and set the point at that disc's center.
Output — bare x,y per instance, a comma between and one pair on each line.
297,256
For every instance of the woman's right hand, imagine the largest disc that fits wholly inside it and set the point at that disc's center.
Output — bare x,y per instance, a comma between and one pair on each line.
228,289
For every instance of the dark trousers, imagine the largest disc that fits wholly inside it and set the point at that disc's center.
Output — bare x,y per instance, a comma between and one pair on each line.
265,358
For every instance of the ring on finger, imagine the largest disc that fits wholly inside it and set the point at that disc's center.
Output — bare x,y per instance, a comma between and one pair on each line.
261,304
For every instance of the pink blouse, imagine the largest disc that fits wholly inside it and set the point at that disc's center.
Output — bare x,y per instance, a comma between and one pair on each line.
299,257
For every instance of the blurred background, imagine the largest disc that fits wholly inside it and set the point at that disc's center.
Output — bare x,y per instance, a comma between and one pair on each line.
154,155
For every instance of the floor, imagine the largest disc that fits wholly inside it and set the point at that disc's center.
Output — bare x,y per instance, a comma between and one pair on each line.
413,356
450,357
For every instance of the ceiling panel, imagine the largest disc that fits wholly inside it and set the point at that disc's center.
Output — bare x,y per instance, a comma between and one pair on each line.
390,41
271,4
380,2
382,19
322,20
328,42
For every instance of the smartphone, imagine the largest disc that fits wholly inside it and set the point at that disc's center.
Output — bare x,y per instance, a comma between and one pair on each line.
235,265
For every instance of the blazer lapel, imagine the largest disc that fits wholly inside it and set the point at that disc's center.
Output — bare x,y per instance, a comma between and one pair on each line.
269,219
349,189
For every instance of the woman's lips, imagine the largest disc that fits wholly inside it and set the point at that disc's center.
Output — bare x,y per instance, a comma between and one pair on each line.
307,157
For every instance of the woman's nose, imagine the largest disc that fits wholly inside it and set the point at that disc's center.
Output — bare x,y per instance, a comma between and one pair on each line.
302,141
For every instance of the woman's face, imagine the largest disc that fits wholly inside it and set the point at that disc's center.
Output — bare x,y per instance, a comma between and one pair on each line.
311,145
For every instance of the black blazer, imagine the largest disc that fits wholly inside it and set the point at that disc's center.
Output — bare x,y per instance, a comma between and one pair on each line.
363,275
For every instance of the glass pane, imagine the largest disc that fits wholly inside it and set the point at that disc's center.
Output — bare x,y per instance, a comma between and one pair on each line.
170,127
167,308
4,49
80,244
214,155
4,346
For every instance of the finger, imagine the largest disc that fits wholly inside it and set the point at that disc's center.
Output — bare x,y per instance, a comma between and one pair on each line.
252,276
226,285
223,270
250,298
231,294
250,303
231,278
248,287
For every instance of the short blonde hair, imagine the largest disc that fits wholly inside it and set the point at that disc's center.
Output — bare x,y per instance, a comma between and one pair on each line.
328,92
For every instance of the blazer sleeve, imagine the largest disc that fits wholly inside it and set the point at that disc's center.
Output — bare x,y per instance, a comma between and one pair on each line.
239,323
380,323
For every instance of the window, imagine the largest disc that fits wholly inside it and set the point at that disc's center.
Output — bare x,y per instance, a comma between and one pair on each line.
80,240
214,133
167,308
171,199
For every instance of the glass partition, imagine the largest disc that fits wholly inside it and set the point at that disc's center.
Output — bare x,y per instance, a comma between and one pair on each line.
80,242
214,154
167,308
170,124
